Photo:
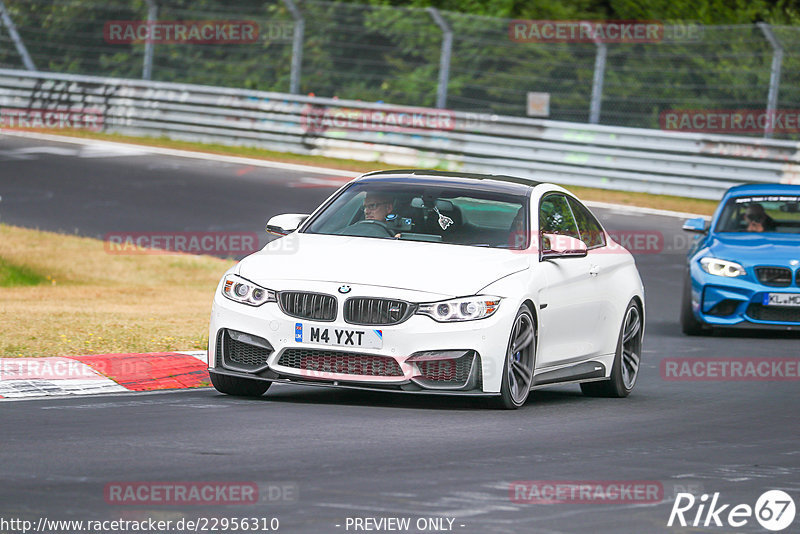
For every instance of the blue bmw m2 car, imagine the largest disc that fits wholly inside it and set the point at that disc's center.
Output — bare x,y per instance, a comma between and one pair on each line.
744,269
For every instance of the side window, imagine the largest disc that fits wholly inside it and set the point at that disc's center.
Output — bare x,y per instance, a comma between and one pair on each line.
591,231
555,217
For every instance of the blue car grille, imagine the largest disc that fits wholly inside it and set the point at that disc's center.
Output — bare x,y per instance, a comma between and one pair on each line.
774,276
783,314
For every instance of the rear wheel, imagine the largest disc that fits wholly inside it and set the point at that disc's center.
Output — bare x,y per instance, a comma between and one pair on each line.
625,368
689,323
238,387
519,361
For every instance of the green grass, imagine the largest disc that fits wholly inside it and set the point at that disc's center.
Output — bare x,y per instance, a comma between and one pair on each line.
18,275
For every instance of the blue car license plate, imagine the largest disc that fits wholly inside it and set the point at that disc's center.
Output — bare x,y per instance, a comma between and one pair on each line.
781,299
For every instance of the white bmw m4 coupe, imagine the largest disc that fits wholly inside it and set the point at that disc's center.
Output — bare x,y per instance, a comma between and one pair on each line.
433,282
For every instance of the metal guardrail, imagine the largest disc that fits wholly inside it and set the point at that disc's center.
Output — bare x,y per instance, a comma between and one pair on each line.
629,159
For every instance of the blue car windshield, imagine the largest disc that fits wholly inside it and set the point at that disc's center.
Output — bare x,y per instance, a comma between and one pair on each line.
761,213
439,213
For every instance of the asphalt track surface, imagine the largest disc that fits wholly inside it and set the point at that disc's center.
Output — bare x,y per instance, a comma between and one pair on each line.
349,454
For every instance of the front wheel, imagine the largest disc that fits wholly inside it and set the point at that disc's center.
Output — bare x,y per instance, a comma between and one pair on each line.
519,362
689,323
238,387
625,368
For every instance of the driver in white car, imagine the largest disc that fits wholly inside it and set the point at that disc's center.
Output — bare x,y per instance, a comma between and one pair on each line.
377,206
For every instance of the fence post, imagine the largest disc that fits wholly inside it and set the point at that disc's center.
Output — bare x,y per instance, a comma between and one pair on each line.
152,16
297,46
5,18
444,58
774,76
597,82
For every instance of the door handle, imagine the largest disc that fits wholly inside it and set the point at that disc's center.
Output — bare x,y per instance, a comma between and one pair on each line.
594,270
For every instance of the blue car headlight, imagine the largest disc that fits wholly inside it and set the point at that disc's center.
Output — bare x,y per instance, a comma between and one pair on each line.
718,267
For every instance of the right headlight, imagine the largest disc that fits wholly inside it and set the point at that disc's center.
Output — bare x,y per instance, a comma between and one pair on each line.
464,309
244,291
718,267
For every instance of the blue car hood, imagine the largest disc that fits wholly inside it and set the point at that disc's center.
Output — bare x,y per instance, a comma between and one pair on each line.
756,248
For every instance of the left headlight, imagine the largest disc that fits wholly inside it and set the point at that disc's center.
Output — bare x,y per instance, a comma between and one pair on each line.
716,266
244,291
464,309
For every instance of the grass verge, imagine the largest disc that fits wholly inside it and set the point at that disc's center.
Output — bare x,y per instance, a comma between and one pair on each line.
665,202
86,301
18,275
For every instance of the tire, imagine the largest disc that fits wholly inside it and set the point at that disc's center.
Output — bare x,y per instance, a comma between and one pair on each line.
627,359
519,364
238,387
689,323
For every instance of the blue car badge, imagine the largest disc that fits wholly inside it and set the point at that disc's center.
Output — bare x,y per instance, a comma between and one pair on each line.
391,217
344,289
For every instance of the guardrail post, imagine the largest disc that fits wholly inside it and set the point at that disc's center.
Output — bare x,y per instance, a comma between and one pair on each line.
444,58
5,18
774,76
597,82
152,16
297,46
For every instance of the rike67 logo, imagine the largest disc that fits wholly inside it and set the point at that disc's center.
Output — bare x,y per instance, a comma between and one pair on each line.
774,510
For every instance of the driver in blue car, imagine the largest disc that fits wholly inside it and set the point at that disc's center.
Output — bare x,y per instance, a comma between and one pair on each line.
377,206
757,220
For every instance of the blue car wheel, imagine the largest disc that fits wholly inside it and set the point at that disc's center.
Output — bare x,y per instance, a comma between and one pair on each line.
689,323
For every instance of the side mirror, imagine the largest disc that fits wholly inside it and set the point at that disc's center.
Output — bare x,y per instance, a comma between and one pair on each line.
696,225
562,246
285,224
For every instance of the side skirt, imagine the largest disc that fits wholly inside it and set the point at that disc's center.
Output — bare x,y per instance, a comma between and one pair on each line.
581,372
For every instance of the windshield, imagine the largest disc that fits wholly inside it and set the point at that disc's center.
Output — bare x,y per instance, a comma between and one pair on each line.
765,213
440,213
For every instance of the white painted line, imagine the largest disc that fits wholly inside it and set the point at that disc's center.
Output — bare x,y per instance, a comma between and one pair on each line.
186,154
10,389
44,377
199,354
295,167
643,211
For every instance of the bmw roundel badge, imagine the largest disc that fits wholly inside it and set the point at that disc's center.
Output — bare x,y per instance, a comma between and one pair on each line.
344,289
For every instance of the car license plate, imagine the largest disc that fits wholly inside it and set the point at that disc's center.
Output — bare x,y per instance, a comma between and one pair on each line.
781,299
366,338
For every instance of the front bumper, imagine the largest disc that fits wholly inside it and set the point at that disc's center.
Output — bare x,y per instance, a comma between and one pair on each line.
418,355
739,303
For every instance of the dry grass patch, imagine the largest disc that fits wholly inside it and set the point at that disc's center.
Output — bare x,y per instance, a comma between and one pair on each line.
92,302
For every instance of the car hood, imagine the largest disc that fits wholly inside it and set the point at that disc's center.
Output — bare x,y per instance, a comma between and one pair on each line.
450,270
756,248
